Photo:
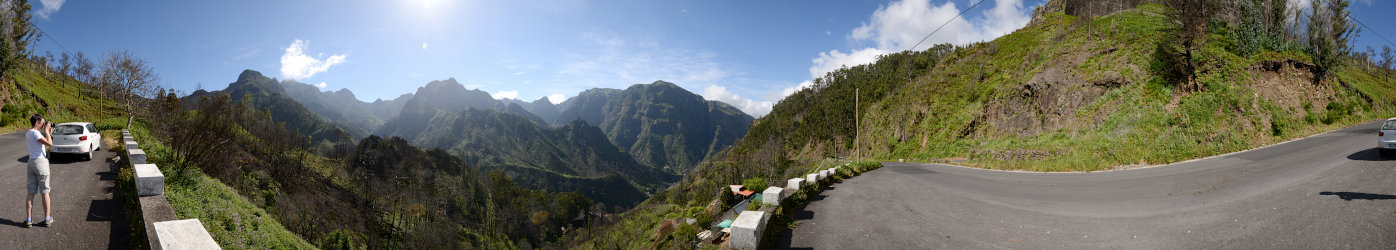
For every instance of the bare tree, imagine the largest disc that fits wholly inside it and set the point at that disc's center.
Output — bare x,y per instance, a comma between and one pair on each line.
1190,18
132,77
65,64
83,68
1386,59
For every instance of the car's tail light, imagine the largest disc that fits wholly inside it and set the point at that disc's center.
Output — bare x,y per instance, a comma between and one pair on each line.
1379,133
82,138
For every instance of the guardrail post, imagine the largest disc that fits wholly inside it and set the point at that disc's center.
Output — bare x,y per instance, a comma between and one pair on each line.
747,229
184,234
137,155
149,180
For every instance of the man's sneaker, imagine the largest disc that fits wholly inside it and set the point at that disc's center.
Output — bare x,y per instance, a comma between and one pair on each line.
47,222
28,223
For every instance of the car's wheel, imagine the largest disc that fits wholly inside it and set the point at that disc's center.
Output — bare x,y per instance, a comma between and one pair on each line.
88,156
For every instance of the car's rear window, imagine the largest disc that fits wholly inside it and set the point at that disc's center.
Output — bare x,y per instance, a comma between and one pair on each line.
67,130
1390,125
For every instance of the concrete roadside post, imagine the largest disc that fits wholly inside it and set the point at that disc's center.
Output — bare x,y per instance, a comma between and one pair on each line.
746,230
791,186
771,196
184,234
812,179
137,155
794,184
149,180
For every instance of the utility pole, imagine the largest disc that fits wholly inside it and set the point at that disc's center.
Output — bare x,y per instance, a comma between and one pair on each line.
857,128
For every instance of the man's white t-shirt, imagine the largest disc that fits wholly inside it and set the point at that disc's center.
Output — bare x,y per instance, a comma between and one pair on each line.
36,149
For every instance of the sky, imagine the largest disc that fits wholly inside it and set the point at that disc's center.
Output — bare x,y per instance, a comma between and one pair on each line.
749,54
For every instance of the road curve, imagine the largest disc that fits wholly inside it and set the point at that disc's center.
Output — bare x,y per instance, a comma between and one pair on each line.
1326,191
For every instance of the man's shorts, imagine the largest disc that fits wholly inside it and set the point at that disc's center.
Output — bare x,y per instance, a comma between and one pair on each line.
38,176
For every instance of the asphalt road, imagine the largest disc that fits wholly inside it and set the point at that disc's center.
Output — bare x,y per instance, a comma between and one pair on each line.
1327,191
84,212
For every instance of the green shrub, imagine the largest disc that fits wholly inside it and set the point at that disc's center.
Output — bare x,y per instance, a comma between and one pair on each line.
757,184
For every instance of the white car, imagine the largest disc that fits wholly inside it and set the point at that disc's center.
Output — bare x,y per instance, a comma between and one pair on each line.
1386,137
78,138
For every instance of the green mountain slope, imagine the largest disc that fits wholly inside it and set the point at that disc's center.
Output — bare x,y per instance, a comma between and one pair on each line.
588,106
572,157
544,109
567,156
663,125
380,193
261,93
344,109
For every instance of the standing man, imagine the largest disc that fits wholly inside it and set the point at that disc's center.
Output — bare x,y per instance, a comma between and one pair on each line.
38,167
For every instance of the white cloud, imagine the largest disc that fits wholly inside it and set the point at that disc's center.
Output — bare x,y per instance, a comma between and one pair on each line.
424,46
834,59
512,94
556,98
752,107
321,85
900,25
295,64
791,90
49,7
519,73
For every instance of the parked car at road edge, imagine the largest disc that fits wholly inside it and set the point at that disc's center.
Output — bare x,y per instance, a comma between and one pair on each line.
76,138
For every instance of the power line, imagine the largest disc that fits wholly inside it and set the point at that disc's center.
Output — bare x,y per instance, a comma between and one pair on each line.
947,22
1383,38
55,41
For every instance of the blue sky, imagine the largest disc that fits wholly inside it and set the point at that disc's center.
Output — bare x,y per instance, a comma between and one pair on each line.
746,53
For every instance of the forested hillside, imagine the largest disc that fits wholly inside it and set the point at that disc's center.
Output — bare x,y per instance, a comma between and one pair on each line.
258,92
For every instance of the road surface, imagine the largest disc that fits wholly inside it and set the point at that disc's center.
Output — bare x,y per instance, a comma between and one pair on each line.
86,216
1327,191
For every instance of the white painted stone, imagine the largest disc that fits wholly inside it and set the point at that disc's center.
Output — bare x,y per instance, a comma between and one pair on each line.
813,178
901,160
794,184
149,180
746,230
823,174
128,138
184,234
137,155
132,145
771,196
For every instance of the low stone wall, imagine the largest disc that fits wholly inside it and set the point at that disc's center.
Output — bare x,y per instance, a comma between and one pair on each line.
163,229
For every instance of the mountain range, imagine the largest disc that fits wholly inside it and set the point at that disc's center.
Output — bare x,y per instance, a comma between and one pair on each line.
614,146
